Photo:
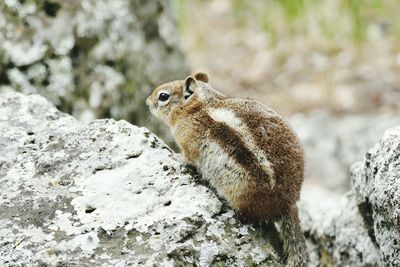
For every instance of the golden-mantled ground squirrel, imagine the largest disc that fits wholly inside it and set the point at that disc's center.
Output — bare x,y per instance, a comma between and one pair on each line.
245,150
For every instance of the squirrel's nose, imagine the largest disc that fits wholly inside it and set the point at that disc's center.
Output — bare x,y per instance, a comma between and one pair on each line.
148,101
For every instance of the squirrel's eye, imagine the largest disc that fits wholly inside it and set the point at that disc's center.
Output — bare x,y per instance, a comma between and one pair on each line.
163,97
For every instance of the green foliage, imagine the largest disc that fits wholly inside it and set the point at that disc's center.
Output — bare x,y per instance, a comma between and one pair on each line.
292,8
179,6
239,8
336,19
356,10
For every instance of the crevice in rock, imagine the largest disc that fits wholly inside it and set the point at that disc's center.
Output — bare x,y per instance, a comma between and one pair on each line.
51,9
366,212
133,155
89,209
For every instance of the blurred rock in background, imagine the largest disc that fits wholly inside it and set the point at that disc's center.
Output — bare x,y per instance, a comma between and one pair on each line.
91,58
333,144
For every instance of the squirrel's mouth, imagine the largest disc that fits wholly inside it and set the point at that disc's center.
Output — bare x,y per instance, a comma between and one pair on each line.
148,102
152,109
150,105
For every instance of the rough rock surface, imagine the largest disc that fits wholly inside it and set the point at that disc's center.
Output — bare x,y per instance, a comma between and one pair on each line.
335,230
361,228
376,181
91,58
107,193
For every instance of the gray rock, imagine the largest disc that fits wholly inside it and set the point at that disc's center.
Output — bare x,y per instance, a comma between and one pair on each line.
107,193
335,230
91,58
361,228
376,182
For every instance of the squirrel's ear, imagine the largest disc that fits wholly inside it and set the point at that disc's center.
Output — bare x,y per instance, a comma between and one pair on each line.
190,87
201,76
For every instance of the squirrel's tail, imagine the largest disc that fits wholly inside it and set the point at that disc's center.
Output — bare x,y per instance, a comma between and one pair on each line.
294,243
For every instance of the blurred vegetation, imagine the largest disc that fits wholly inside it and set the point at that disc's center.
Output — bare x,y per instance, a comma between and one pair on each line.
278,16
361,14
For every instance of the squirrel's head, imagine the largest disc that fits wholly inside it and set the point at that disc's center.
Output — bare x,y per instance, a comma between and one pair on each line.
172,98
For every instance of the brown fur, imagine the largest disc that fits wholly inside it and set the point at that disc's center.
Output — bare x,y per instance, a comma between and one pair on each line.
256,202
194,130
276,138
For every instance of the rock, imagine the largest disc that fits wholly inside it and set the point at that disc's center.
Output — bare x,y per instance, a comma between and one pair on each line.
335,230
107,193
332,144
91,58
361,228
376,182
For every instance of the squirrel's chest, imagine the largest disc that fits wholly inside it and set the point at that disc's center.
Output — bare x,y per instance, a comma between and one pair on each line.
190,139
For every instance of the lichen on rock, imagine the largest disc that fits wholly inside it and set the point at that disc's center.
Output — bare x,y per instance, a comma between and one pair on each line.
361,228
107,193
91,58
376,182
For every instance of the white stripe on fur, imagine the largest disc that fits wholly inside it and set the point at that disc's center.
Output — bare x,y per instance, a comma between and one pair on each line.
229,118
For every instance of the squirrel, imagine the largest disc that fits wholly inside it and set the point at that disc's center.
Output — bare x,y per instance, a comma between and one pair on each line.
246,151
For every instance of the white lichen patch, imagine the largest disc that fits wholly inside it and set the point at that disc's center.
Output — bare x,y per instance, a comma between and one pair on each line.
208,251
86,242
258,255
